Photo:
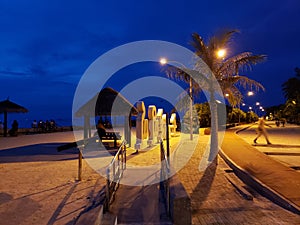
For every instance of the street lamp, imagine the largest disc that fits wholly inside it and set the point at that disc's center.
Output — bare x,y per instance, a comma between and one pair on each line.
221,53
250,93
164,61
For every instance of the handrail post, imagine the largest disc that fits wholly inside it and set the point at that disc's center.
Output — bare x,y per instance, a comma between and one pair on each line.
116,170
168,137
164,173
125,155
107,194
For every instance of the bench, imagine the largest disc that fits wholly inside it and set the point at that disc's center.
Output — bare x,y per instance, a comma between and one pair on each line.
112,136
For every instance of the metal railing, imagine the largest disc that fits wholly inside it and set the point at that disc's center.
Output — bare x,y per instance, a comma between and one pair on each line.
114,173
164,177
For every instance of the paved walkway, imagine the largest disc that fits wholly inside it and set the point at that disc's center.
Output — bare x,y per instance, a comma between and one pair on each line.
285,146
277,179
216,201
142,203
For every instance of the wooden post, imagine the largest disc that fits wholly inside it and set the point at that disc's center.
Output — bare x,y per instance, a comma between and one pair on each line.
125,128
5,124
79,165
89,129
129,130
86,127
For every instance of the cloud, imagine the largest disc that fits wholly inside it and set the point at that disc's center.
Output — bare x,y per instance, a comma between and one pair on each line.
14,73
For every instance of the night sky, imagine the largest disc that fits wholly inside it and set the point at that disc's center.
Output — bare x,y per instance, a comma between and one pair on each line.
46,46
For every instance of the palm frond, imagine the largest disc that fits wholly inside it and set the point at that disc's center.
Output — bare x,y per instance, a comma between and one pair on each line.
201,49
249,60
221,40
232,85
242,61
248,83
234,95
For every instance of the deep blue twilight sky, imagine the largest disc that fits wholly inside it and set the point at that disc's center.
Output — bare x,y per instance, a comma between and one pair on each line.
45,46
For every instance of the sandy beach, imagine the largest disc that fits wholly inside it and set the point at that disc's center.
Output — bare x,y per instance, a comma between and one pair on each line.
39,185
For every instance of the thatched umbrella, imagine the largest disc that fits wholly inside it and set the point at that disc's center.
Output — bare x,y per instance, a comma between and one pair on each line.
102,105
104,102
10,107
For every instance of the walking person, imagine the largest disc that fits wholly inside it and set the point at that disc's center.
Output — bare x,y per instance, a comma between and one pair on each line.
261,130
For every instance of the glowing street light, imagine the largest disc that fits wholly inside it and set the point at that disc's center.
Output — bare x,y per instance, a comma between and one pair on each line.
221,53
250,108
163,61
257,103
250,93
227,95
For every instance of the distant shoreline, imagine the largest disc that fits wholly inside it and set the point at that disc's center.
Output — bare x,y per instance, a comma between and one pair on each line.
27,131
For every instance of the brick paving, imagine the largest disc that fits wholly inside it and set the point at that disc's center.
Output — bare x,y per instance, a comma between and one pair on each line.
216,201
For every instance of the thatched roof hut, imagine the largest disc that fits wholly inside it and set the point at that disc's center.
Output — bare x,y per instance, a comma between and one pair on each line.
103,103
6,107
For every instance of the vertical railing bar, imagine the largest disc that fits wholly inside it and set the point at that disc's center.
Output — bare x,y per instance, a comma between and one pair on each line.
117,173
107,189
165,171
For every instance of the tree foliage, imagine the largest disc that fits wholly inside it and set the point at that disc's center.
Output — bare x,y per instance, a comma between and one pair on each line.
291,88
227,70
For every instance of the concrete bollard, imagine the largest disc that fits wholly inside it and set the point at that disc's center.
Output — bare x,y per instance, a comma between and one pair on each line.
152,124
140,124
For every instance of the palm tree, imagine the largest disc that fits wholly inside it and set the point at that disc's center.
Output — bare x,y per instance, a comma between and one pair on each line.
226,71
291,91
291,88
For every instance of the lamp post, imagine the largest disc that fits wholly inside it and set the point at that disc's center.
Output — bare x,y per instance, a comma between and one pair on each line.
164,61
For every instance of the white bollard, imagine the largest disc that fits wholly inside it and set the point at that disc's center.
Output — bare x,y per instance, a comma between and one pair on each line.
159,124
173,125
163,126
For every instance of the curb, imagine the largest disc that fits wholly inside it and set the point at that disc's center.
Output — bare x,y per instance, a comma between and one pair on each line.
237,184
258,185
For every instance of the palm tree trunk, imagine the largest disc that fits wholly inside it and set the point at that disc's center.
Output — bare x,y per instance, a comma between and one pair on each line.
214,128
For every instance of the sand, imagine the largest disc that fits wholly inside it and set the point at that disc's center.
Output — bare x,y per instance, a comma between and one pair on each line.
39,185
